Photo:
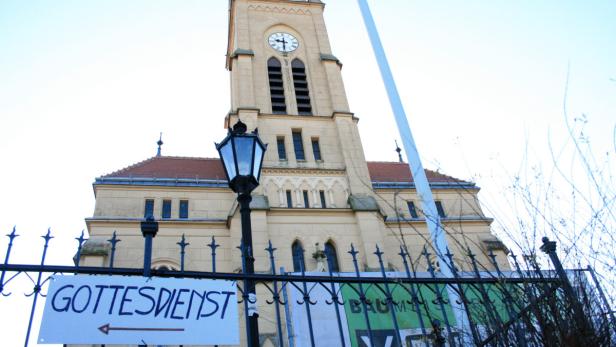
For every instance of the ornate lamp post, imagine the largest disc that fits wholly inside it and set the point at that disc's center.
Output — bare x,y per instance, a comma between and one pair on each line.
242,154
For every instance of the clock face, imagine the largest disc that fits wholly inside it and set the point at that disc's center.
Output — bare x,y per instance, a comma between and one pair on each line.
283,42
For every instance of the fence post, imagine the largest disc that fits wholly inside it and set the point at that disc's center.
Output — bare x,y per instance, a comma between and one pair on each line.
182,245
287,313
113,241
275,295
465,302
362,295
439,297
404,253
37,286
507,300
549,247
81,240
389,297
306,298
213,245
490,309
335,301
149,228
11,236
603,298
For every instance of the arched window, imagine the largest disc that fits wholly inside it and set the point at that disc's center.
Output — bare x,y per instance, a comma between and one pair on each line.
274,72
302,95
163,268
298,257
330,252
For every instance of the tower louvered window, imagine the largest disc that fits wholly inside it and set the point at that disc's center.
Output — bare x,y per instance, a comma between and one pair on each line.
302,95
274,72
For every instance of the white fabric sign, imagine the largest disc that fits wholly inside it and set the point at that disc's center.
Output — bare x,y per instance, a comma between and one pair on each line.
140,310
323,316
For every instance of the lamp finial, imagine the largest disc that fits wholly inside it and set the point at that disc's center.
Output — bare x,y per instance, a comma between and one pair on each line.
398,149
160,144
239,128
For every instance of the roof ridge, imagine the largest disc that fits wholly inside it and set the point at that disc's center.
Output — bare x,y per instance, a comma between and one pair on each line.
139,163
129,167
390,170
399,163
171,166
448,176
184,157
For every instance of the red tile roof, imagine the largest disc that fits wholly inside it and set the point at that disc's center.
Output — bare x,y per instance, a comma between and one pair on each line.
174,167
211,168
400,172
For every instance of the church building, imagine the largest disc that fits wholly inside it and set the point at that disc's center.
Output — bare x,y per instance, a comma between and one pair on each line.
316,192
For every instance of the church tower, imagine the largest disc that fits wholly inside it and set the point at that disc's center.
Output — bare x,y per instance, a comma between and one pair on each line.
287,83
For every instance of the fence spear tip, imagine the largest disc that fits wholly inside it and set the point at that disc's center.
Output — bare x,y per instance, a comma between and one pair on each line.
13,235
48,236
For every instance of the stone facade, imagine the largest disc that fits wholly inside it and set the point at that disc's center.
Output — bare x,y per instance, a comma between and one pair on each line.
350,200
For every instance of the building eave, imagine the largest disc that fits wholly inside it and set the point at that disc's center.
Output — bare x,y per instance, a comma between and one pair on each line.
444,220
216,183
168,221
161,182
434,185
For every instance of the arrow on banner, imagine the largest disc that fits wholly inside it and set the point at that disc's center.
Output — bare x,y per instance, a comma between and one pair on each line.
107,327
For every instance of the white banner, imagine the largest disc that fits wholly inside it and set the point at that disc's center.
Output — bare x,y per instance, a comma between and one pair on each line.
140,310
325,329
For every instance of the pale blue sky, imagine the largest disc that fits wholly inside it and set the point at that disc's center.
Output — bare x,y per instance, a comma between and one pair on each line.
86,86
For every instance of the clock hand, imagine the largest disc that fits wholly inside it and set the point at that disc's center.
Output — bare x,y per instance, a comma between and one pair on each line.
284,43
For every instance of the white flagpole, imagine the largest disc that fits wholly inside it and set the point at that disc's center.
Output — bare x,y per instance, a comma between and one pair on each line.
437,234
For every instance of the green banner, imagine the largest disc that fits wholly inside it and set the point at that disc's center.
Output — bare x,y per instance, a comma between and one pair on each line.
406,313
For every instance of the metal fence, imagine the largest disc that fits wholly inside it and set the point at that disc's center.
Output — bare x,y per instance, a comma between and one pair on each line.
524,306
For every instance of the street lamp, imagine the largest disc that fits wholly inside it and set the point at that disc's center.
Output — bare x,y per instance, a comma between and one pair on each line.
242,154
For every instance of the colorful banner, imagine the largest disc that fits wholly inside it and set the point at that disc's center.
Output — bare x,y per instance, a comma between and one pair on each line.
407,314
354,317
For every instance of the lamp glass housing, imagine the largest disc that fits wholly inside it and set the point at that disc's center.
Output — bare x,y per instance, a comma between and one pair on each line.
242,155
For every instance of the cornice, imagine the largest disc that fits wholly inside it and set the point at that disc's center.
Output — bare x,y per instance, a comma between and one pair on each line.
446,220
396,186
331,57
313,117
238,52
163,222
279,9
285,6
244,108
303,171
301,212
343,114
242,51
159,182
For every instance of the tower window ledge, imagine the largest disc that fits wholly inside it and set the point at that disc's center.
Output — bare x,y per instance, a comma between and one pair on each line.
306,164
281,163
